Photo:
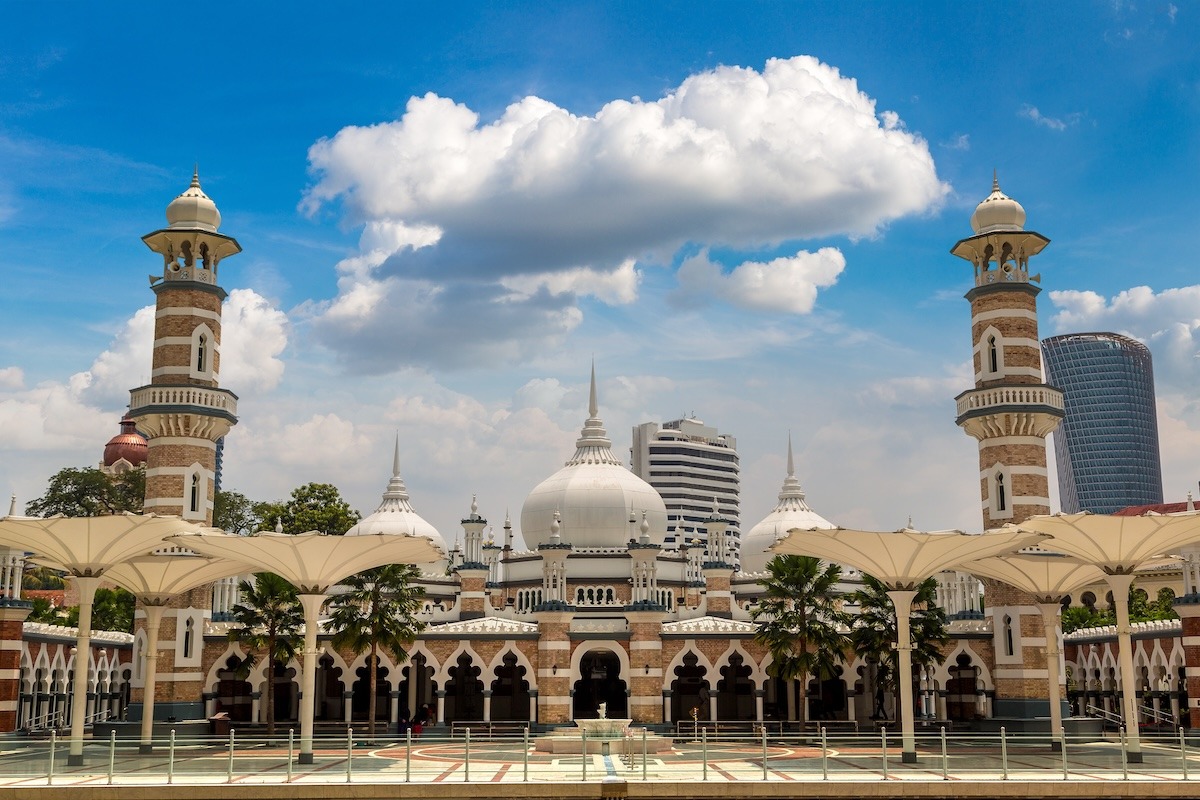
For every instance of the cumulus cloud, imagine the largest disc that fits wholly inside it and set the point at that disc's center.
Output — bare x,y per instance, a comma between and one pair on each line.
1167,321
541,206
12,378
253,336
786,285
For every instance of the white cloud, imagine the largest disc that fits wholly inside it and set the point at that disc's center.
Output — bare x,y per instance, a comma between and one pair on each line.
1167,321
253,335
1053,123
787,285
959,142
542,206
12,378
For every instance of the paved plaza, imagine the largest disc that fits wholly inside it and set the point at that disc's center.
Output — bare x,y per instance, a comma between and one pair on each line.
748,767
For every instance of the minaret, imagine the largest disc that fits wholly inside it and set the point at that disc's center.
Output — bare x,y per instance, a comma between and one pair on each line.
182,412
1010,412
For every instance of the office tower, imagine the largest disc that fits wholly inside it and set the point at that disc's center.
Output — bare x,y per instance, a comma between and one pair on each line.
1107,449
690,464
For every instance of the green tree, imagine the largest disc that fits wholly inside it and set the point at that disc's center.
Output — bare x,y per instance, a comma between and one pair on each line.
112,610
267,622
42,578
47,612
873,630
378,613
234,513
1079,617
88,492
800,620
312,507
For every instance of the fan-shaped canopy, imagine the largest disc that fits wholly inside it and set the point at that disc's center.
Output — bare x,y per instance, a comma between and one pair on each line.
1117,545
87,546
155,579
1048,576
904,558
314,561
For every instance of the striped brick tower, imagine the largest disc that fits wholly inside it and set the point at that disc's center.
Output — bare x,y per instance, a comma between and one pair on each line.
1010,412
183,413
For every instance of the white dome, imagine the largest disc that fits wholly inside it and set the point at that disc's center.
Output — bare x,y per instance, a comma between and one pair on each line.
194,209
595,496
998,212
395,515
791,512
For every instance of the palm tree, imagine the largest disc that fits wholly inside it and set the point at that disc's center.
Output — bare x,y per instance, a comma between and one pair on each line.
378,613
800,620
873,630
268,620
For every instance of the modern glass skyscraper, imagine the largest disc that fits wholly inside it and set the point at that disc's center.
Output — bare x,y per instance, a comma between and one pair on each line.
1107,448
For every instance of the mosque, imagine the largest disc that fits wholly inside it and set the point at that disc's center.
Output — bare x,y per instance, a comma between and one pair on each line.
597,610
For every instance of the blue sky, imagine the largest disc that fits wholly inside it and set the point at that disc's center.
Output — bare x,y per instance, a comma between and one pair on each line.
446,214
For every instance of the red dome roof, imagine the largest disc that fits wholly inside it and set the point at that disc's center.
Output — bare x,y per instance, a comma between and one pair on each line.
128,444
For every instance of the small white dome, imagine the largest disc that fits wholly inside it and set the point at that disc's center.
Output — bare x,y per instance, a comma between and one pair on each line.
594,495
194,209
998,212
395,515
791,512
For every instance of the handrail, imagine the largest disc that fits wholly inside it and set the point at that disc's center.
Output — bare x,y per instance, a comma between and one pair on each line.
1107,716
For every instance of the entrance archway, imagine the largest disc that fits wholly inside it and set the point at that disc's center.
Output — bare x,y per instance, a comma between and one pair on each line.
735,691
960,689
417,687
234,691
464,691
689,690
362,693
600,682
510,691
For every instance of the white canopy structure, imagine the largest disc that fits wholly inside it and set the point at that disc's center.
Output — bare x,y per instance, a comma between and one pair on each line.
1119,546
87,547
312,562
1049,577
156,580
901,560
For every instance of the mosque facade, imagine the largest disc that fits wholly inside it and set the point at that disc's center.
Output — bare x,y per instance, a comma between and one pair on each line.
598,611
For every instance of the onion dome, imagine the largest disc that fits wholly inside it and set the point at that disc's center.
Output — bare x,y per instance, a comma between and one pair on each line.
128,445
593,497
194,209
791,512
998,212
395,514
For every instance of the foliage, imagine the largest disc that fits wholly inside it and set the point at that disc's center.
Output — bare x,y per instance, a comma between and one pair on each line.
112,610
874,628
88,492
1141,609
267,621
233,512
47,612
312,507
378,613
800,620
1079,617
38,578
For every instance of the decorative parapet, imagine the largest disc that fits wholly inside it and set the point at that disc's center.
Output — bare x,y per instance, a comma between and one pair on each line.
1152,629
157,399
1000,397
64,632
709,625
481,627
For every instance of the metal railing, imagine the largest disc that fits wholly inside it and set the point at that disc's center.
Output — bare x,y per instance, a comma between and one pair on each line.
635,756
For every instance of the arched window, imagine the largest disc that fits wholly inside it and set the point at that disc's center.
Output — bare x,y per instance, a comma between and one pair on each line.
194,503
202,354
189,637
1009,648
1001,494
993,355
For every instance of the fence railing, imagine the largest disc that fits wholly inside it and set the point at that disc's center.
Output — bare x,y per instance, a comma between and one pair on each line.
635,756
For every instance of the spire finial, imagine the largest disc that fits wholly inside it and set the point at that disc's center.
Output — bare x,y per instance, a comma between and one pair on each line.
196,175
278,525
593,406
474,504
995,180
396,457
791,473
12,505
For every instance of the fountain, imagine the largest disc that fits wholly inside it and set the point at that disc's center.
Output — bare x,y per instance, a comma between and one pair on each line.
596,735
603,728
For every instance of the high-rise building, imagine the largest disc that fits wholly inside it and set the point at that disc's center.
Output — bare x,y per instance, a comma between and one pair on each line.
1107,449
693,467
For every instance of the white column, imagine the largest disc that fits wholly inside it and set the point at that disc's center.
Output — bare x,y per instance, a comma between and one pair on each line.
312,607
902,600
154,615
83,651
487,705
1050,613
1119,586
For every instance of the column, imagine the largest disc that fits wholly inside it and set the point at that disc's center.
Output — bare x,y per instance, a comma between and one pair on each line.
441,707
487,705
758,704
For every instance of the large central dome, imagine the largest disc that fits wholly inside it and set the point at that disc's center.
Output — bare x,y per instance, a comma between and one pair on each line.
595,496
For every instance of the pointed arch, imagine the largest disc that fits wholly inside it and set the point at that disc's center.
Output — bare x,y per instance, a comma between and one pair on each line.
204,349
991,353
758,672
441,673
689,646
510,646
